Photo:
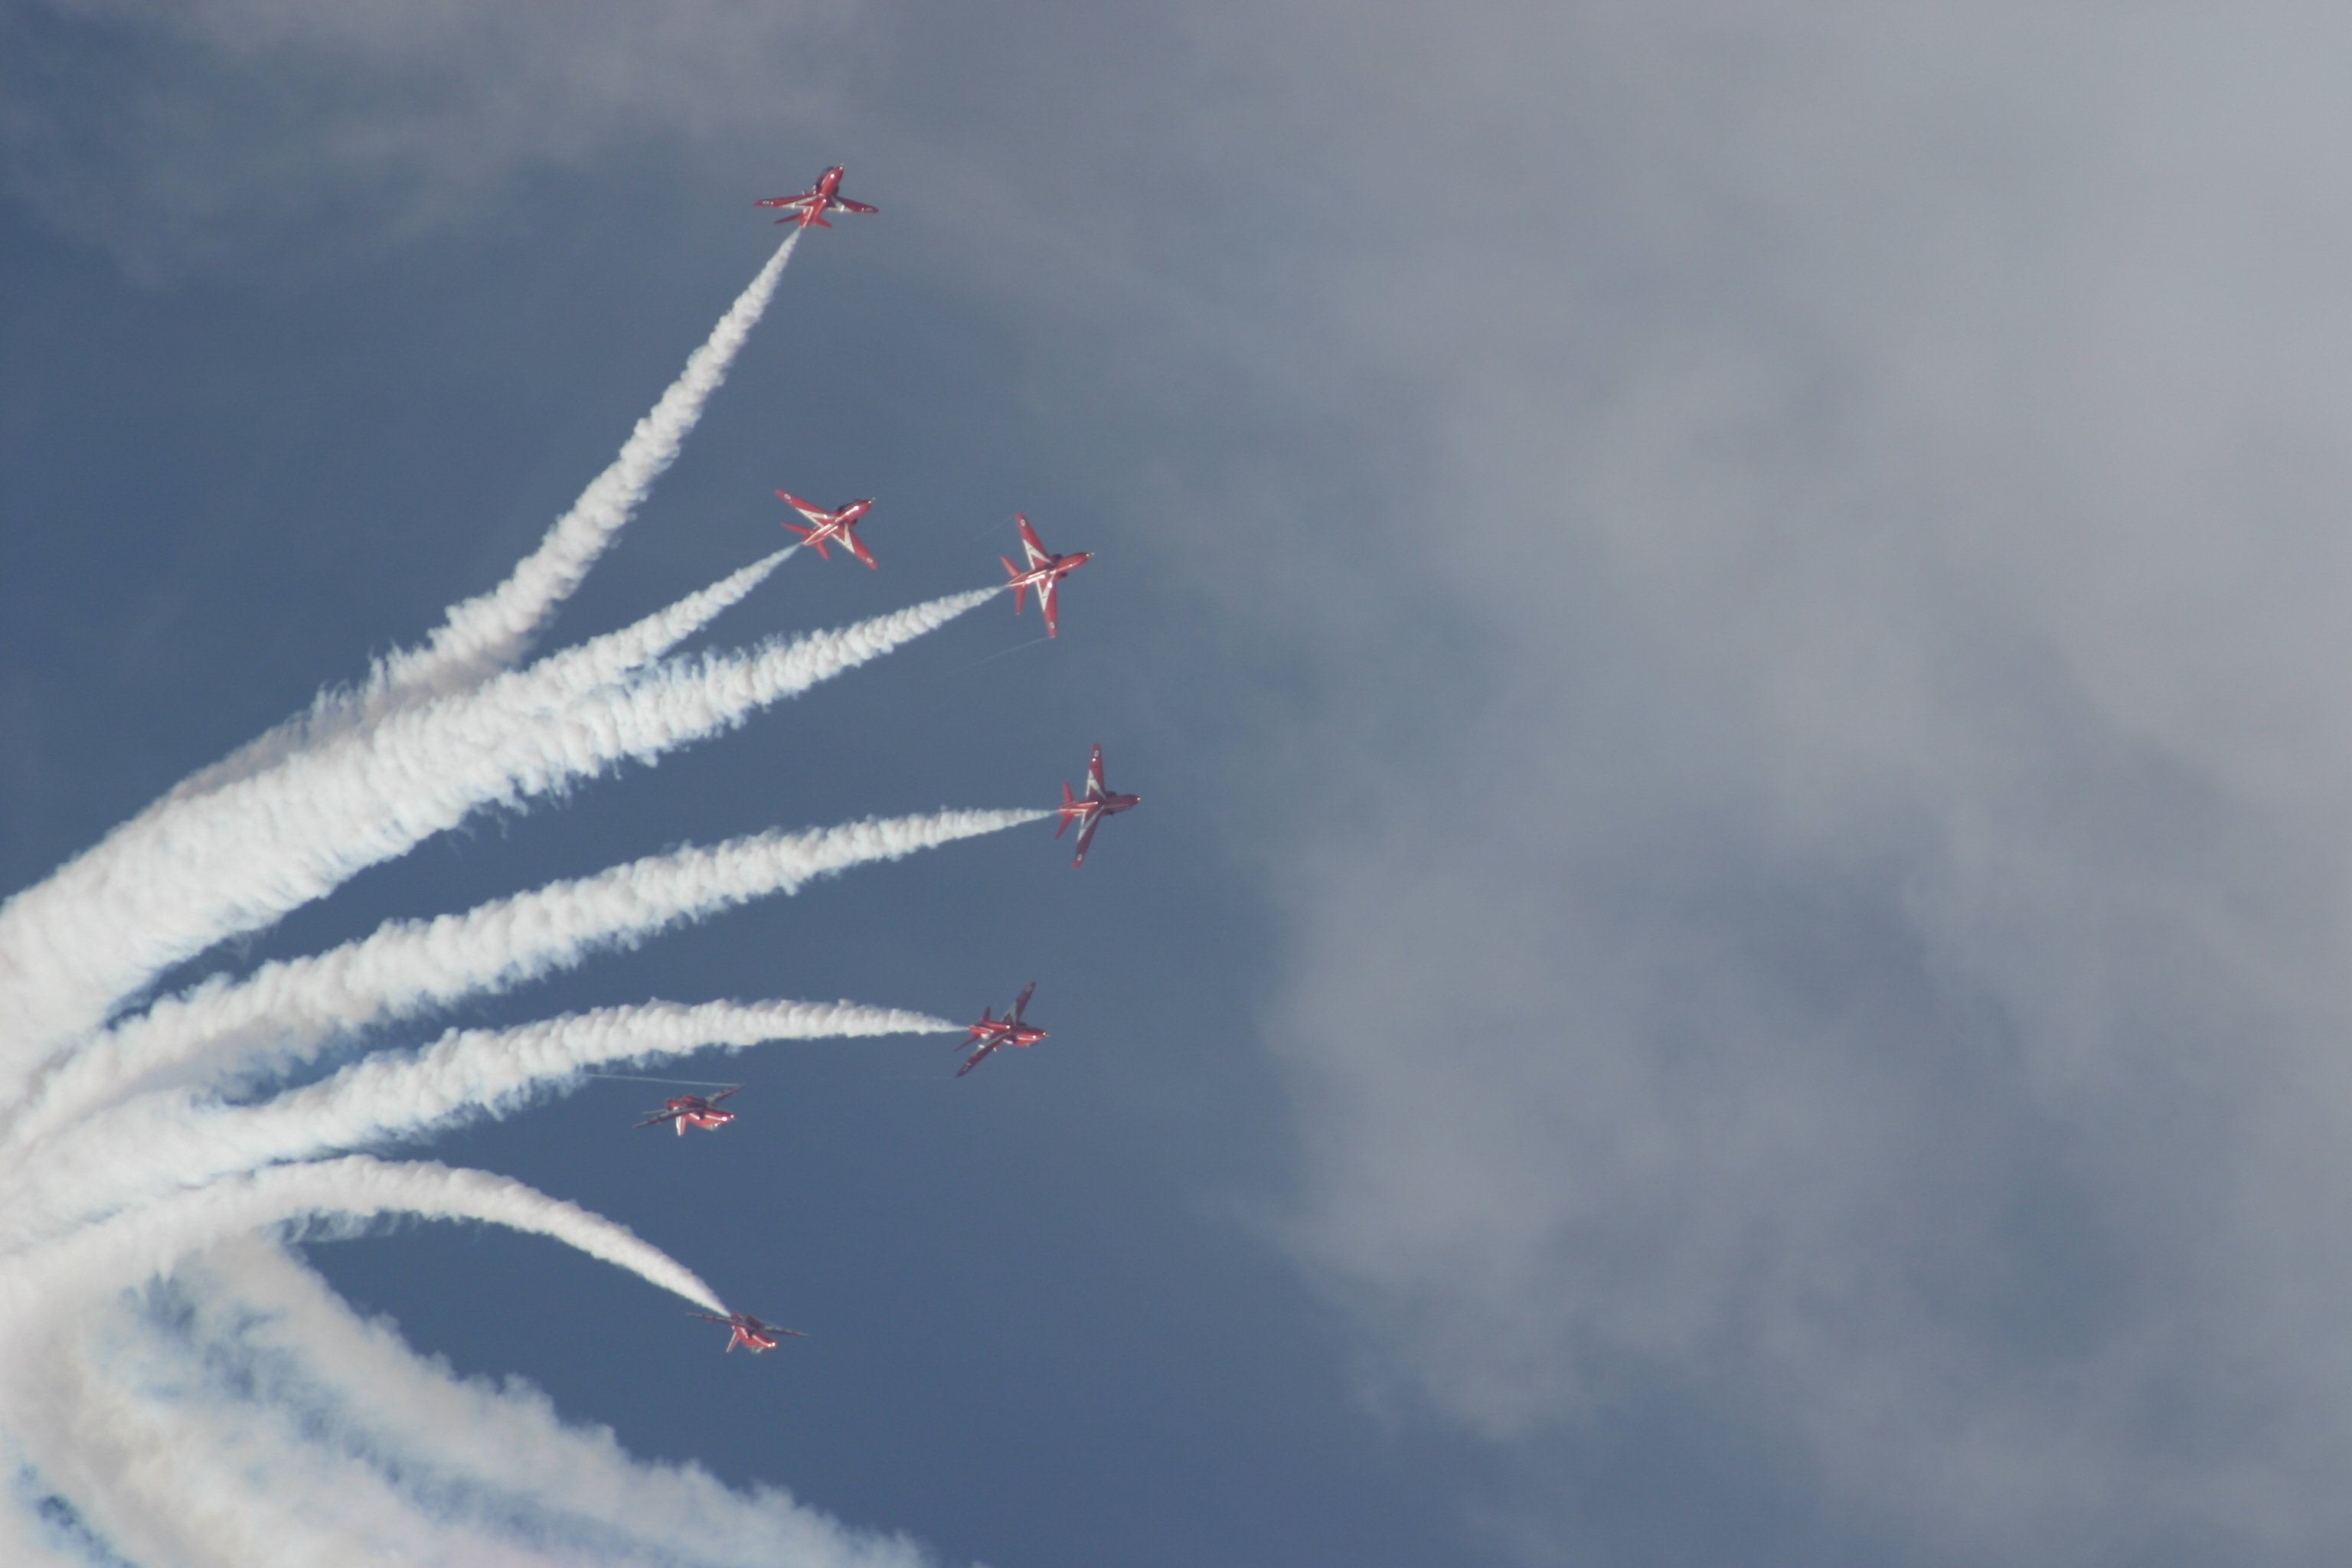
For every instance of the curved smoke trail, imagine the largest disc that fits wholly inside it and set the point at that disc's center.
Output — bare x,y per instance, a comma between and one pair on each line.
162,1142
184,1422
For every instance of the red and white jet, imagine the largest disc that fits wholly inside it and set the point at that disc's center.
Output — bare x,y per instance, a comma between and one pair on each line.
811,206
1009,1030
1087,810
686,1110
748,1332
1046,569
834,525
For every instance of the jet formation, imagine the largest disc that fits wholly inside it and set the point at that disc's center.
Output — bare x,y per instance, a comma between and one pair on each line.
1041,570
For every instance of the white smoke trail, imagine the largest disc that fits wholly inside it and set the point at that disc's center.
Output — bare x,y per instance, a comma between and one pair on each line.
331,1196
159,1142
483,633
317,1403
171,1469
64,1278
168,885
164,1438
280,1012
566,677
39,933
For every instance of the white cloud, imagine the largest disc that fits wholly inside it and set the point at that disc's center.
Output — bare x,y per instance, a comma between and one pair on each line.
1864,944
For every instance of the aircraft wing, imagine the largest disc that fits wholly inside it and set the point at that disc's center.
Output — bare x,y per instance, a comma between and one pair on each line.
843,204
1085,838
1022,1001
1045,603
977,1058
857,548
725,1092
659,1116
1094,785
1037,555
814,513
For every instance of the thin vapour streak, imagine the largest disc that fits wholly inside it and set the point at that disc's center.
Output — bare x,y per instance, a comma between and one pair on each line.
282,1011
144,1242
164,1142
233,861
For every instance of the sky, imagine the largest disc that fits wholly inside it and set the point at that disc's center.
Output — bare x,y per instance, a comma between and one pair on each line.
1730,623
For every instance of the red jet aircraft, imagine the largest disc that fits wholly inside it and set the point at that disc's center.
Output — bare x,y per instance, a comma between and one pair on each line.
834,525
1087,810
1046,569
811,206
1009,1030
750,1332
692,1110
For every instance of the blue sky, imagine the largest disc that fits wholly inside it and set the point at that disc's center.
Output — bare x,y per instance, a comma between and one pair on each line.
1730,627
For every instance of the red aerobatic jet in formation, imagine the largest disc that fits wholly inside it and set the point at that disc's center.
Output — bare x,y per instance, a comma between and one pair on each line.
692,1110
1041,570
834,525
1046,569
1009,1030
750,1332
1087,810
811,206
